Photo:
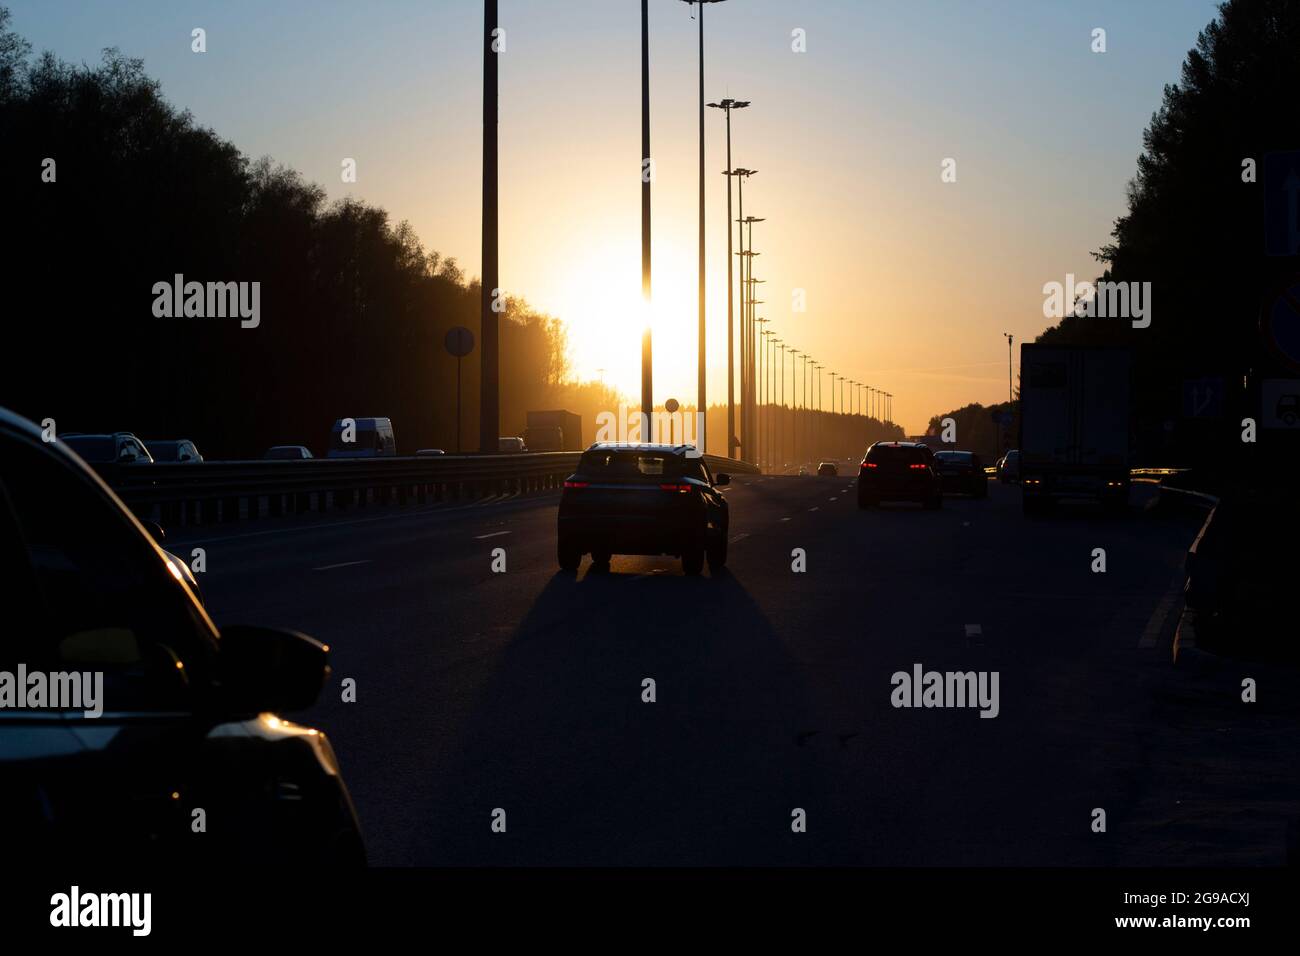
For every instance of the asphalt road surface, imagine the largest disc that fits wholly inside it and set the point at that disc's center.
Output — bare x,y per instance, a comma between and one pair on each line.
523,690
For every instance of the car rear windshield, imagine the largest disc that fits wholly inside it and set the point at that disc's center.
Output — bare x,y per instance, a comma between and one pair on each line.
164,450
897,454
93,448
628,464
964,457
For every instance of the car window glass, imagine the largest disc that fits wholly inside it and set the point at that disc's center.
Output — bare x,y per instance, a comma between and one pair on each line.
108,603
613,464
890,454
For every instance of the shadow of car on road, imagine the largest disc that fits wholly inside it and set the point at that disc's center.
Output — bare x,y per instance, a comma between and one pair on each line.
566,741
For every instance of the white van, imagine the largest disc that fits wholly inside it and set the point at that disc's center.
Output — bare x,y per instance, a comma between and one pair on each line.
370,438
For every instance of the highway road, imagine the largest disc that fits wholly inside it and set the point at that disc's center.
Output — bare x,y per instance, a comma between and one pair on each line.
523,690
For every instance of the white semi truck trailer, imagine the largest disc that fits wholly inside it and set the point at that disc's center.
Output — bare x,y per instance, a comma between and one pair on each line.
1075,435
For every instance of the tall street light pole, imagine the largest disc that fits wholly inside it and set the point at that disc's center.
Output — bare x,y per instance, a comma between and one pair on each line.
728,105
751,407
489,355
769,436
750,403
702,406
817,398
647,353
794,404
744,310
759,446
780,425
803,405
1009,391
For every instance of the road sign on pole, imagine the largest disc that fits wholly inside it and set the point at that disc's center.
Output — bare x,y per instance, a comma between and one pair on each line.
459,342
1203,397
1279,324
1279,400
671,407
1282,203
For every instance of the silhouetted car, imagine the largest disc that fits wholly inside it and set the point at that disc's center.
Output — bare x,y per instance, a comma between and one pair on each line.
643,499
121,448
899,471
1009,468
828,468
187,715
177,450
287,453
963,472
366,438
511,446
802,473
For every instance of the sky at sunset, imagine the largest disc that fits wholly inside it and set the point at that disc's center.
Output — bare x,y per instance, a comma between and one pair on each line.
910,282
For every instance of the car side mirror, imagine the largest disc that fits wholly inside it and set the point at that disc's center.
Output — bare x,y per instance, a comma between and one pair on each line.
267,669
720,480
155,531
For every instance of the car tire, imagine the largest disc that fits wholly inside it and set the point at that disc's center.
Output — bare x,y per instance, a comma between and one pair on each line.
693,560
717,551
568,554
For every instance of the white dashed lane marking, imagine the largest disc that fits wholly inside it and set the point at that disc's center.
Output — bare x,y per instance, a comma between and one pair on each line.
345,564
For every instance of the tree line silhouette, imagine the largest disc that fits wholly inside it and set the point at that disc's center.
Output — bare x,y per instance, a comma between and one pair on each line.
1195,228
110,190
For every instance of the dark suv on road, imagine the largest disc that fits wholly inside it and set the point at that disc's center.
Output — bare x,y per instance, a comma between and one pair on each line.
188,729
643,499
962,472
899,471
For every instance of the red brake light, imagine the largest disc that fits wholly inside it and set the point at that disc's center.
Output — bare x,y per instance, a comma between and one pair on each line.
869,464
918,465
577,484
681,489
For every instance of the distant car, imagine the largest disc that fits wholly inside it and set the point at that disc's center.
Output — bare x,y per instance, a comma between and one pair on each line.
511,446
120,448
370,438
287,453
429,453
802,472
188,715
899,471
174,450
1009,468
828,468
643,499
963,472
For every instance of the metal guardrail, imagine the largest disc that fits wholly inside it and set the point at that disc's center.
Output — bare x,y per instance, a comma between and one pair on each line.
218,492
